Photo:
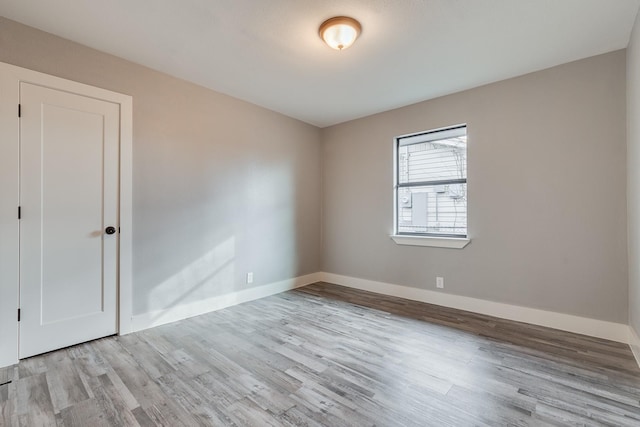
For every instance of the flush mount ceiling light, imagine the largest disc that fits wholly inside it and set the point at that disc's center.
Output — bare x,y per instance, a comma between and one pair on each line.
340,32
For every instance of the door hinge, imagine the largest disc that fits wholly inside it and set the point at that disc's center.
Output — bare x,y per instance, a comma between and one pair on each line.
19,110
18,315
19,212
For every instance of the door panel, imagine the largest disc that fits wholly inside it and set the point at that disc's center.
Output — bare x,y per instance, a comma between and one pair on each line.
69,195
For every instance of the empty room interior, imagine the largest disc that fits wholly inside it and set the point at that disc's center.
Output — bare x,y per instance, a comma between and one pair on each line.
320,213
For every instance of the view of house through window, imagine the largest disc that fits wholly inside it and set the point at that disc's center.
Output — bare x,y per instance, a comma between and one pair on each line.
431,183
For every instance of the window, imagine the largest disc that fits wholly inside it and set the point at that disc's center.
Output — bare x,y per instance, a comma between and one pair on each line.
431,184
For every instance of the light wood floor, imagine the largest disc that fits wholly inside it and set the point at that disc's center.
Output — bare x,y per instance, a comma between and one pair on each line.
331,356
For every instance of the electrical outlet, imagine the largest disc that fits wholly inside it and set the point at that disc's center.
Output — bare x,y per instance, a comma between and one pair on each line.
440,282
249,277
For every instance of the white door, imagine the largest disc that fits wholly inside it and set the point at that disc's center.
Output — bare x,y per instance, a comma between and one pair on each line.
69,197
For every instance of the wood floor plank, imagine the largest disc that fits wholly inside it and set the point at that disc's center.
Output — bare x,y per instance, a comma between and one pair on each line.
8,401
113,403
325,355
157,405
65,385
190,400
142,418
6,374
86,413
294,417
34,406
245,412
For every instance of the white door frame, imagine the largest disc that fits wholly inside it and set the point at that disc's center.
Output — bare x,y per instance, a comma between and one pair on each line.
10,78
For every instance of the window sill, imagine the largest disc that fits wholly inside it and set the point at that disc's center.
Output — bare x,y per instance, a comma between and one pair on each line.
434,242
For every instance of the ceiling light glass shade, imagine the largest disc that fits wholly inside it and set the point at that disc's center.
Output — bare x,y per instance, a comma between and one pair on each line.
340,32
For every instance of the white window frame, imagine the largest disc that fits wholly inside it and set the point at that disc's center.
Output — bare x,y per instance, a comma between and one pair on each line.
452,242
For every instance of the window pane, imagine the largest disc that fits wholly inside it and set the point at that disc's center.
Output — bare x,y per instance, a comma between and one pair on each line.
443,159
433,209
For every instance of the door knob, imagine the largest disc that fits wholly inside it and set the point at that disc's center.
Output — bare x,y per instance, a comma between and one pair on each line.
110,230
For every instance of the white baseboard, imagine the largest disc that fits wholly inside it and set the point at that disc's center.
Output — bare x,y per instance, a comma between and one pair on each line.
184,311
634,343
582,325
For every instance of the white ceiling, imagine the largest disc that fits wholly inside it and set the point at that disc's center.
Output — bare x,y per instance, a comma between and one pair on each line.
268,52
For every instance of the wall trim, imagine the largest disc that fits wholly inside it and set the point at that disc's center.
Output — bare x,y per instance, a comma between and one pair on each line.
125,223
582,325
160,317
634,343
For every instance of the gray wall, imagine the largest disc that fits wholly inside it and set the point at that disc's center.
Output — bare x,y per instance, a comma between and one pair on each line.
546,189
221,186
633,173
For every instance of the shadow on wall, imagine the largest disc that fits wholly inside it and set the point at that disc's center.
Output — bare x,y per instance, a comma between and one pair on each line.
244,223
215,268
